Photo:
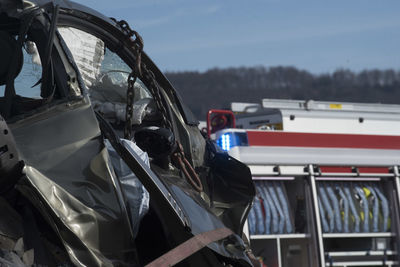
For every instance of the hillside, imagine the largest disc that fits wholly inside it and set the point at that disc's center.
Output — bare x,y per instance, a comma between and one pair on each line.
216,88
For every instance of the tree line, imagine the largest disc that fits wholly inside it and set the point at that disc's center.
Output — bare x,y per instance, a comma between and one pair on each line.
217,88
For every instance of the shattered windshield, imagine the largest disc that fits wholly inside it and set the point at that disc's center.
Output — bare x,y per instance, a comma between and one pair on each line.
106,76
112,81
103,71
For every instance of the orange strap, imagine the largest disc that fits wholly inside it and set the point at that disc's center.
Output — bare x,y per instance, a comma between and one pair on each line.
190,247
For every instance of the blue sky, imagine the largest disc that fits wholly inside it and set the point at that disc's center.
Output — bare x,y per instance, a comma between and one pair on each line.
318,36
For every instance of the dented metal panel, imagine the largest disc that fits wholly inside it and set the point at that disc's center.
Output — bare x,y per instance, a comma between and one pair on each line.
69,168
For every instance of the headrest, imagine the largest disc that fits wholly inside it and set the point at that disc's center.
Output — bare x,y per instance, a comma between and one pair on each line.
9,53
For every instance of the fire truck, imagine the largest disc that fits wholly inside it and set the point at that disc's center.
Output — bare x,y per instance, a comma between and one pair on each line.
326,176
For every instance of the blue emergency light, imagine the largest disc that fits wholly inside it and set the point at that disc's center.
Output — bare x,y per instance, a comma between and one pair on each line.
231,139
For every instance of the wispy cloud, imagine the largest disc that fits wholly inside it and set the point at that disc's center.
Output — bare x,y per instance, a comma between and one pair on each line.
272,36
178,13
212,9
129,4
146,23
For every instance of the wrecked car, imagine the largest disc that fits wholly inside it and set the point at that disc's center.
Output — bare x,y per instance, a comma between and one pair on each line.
101,162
